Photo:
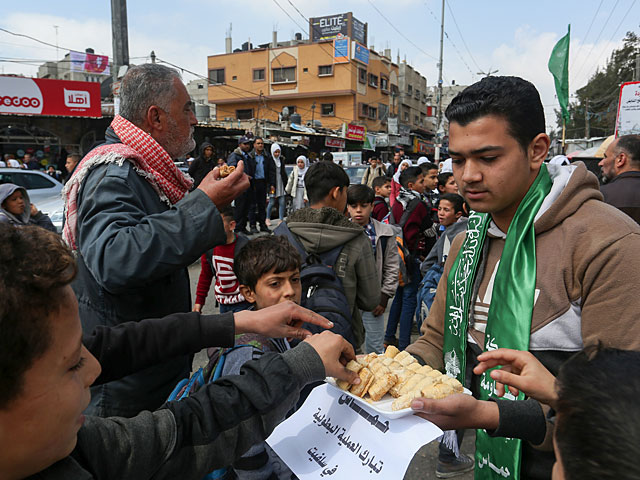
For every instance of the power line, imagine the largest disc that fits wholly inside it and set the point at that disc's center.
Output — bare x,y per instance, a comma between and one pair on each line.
586,35
462,37
37,40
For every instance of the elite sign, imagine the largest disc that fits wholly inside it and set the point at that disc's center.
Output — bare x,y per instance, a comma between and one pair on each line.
42,96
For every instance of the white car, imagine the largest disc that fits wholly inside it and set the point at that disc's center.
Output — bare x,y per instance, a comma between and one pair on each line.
44,192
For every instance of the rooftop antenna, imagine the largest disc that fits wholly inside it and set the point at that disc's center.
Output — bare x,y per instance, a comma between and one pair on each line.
57,53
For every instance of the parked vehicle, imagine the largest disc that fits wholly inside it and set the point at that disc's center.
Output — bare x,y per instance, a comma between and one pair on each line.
44,191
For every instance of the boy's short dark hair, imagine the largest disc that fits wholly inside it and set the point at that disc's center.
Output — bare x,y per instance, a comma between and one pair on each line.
410,175
227,212
30,292
456,200
360,194
379,182
263,254
327,157
426,166
443,178
512,98
321,178
597,412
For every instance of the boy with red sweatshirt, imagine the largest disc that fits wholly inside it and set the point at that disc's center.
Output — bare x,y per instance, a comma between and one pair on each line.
218,262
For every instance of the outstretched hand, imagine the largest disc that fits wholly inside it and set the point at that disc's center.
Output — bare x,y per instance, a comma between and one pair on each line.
335,353
283,320
520,372
222,191
458,411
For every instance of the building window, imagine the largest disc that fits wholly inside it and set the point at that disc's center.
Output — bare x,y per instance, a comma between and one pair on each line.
234,78
216,76
363,111
245,114
384,84
394,89
362,75
383,112
406,116
305,70
373,80
416,119
417,96
325,70
258,74
373,113
284,75
328,109
410,89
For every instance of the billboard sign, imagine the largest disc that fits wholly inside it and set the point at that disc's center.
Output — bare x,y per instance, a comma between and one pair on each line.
89,63
326,28
359,31
356,132
334,142
341,50
42,96
628,119
361,53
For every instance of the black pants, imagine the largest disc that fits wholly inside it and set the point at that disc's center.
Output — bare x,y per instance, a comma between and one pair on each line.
245,208
259,203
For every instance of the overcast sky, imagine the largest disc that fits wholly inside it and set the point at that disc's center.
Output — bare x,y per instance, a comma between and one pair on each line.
513,37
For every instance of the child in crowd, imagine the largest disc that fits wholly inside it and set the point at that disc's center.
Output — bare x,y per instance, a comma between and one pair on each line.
17,209
447,183
410,213
360,200
218,262
43,432
431,193
595,399
296,186
382,189
452,222
323,227
395,181
268,270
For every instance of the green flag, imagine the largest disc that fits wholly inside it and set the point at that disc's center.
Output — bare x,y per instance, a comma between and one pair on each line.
559,68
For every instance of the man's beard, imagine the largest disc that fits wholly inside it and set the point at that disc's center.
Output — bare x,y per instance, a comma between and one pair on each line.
175,146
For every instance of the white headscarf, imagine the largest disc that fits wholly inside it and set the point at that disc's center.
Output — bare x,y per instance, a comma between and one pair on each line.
275,147
447,166
422,160
302,171
396,176
560,160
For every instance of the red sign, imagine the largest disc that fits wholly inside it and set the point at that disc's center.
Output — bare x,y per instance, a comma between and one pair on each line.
334,142
42,96
356,132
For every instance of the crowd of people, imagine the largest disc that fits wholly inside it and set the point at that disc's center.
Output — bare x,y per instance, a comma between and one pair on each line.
498,259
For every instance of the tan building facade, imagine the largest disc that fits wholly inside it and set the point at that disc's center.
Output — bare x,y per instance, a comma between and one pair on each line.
259,83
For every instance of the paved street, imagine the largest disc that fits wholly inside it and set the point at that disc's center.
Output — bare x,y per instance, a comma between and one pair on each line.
422,467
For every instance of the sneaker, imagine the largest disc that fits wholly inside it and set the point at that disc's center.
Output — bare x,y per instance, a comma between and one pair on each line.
264,228
462,464
253,230
243,231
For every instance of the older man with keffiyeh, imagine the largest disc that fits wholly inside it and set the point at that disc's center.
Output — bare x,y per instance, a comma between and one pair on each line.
135,229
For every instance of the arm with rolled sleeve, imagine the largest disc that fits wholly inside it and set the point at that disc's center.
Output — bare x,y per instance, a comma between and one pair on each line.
125,245
390,267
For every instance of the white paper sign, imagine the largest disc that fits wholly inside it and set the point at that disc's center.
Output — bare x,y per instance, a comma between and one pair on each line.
334,437
628,121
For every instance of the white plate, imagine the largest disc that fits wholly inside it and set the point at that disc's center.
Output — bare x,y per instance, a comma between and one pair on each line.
382,406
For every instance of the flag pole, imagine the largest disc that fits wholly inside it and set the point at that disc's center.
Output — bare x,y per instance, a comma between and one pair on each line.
563,132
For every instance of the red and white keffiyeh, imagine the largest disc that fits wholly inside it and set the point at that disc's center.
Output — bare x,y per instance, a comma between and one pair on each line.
149,160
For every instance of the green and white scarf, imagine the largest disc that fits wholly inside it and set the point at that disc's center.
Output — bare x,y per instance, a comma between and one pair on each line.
509,320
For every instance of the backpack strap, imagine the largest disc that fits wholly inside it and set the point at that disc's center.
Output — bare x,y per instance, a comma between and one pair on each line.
413,204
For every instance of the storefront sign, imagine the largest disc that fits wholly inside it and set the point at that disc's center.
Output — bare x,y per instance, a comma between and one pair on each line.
40,96
628,121
356,132
370,142
360,53
422,147
392,125
341,50
324,28
334,142
333,436
89,63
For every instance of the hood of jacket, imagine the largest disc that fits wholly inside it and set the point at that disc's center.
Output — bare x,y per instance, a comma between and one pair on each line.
7,190
201,151
573,185
322,229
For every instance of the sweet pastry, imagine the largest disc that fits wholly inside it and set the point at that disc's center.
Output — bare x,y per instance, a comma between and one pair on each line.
226,170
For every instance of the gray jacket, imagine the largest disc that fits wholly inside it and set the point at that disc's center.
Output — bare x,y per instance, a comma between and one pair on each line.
320,230
190,438
39,219
133,254
387,262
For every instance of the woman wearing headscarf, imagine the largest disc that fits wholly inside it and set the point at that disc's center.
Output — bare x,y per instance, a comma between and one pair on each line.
277,191
295,185
395,181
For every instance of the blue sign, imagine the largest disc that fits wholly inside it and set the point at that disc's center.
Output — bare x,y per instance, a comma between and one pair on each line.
341,50
361,53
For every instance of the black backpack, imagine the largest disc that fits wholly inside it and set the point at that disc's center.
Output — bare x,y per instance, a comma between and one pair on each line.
322,290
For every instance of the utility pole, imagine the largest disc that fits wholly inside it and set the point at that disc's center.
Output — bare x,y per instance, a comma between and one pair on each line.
313,113
587,129
439,130
120,36
636,76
